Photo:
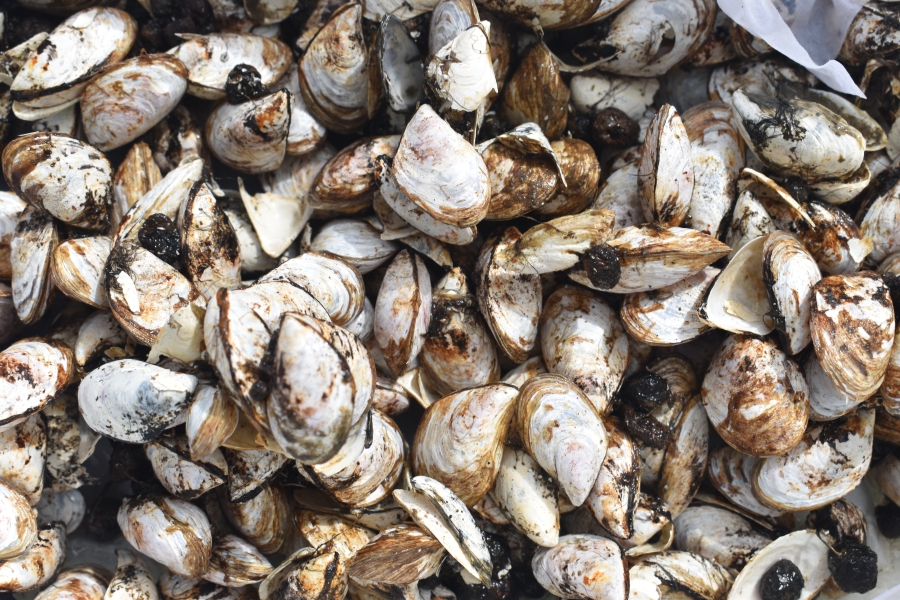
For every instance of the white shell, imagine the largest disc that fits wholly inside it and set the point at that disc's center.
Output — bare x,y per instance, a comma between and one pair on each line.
31,252
235,562
38,564
210,249
582,566
251,136
32,373
526,498
737,301
355,241
790,273
19,527
133,401
170,531
23,451
403,310
803,548
77,269
86,582
209,59
461,73
58,70
182,476
67,507
665,170
132,578
306,133
718,535
731,473
127,100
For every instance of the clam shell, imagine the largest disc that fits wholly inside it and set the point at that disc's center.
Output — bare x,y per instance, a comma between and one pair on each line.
670,315
459,350
593,91
825,401
763,410
32,373
406,214
685,459
31,253
211,419
520,182
527,498
441,172
582,566
306,134
835,242
731,473
163,291
719,535
209,58
263,520
561,430
805,140
136,175
181,475
23,452
550,15
251,137
77,269
58,70
127,100
460,73
582,339
69,443
347,181
355,241
878,216
177,139
459,441
717,154
38,564
634,40
308,573
803,548
171,531
403,311
88,582
579,166
665,171
653,258
748,222
67,507
448,19
361,475
235,562
133,401
19,525
210,250
738,300
335,284
249,470
131,579
237,343
754,76
790,273
399,557
670,573
11,206
333,71
558,244
61,175
852,327
510,303
536,93
614,497
437,510
619,193
827,464
402,72
309,410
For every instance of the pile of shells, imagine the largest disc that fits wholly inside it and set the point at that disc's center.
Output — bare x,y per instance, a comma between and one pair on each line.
437,300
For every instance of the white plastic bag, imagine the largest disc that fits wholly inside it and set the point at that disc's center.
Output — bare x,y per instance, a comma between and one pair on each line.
809,32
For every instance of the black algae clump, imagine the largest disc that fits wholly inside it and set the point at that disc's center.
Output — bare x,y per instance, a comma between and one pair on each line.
855,568
601,263
645,390
639,395
612,127
783,581
888,518
159,235
244,83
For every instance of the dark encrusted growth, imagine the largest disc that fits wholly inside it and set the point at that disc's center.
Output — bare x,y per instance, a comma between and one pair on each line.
244,83
783,581
601,263
854,568
612,127
160,236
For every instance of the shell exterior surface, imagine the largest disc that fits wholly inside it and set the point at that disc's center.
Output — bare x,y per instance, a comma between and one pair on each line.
718,534
127,100
842,307
31,254
23,452
536,93
582,566
19,525
77,268
615,494
403,310
38,564
665,171
790,273
252,136
59,69
561,430
756,397
527,498
32,373
459,441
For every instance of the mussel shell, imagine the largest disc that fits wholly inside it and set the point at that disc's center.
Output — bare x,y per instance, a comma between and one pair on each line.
614,496
790,273
11,206
262,520
527,498
731,473
23,452
38,564
252,136
665,171
520,183
347,181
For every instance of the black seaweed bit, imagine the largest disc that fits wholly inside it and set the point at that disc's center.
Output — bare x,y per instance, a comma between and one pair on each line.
501,588
784,120
645,428
160,236
783,581
612,127
797,188
645,390
244,83
854,567
888,518
601,263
